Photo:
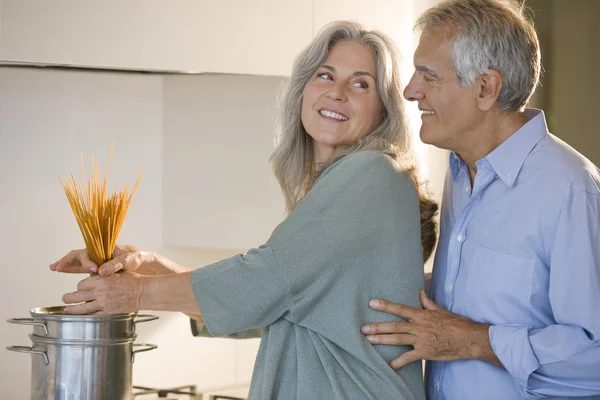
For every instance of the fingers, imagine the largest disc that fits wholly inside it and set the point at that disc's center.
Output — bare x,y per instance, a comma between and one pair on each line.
84,308
112,266
126,258
399,310
405,359
77,297
397,339
387,327
76,262
427,303
87,283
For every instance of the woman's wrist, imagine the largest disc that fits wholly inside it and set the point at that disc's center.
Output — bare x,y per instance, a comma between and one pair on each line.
159,265
167,292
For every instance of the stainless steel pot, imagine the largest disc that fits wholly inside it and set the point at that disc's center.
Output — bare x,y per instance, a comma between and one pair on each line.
52,322
81,369
81,357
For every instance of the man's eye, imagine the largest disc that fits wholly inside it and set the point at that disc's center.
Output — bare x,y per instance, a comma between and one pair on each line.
428,78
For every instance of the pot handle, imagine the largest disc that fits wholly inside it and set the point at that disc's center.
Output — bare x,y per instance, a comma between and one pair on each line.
27,349
142,318
148,348
28,321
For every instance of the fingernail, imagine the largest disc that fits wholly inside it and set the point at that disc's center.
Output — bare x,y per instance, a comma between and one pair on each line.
370,338
365,329
92,268
374,303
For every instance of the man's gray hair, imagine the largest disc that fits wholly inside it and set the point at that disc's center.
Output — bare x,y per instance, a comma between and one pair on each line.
489,34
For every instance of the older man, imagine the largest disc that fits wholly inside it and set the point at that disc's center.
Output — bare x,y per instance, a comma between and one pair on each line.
515,296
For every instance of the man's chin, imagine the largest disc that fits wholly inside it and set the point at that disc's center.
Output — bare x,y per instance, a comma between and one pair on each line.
427,137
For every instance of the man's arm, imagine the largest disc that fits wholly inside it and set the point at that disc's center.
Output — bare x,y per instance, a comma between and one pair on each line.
435,334
562,359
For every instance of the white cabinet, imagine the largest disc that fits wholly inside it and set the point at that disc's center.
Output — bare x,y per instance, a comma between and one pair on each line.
219,191
225,36
392,17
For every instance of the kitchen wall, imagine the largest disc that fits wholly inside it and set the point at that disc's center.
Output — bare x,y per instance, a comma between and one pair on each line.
47,117
570,44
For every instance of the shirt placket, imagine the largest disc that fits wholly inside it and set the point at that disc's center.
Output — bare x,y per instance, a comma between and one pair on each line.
468,200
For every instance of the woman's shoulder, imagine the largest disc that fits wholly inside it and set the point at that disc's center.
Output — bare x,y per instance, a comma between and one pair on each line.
369,164
364,158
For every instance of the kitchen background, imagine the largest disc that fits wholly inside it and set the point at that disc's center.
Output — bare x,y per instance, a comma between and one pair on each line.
187,91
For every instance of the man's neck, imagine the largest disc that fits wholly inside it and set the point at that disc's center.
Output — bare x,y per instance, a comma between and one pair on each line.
495,129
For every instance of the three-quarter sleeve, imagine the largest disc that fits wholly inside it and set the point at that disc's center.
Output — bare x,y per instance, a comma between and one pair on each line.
320,253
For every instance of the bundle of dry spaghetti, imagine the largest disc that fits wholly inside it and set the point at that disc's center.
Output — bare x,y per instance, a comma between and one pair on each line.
99,214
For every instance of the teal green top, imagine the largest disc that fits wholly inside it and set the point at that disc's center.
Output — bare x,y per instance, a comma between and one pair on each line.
354,237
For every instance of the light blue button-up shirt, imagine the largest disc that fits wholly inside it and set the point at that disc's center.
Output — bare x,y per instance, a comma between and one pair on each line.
520,250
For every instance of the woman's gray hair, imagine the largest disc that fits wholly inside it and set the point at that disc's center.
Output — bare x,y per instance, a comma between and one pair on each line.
292,160
490,34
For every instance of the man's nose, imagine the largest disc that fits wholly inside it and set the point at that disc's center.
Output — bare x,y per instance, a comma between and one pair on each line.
412,91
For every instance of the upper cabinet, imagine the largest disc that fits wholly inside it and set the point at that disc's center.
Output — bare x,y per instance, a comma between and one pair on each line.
256,37
237,36
395,18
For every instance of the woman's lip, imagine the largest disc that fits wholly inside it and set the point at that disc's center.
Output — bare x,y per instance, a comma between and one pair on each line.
319,111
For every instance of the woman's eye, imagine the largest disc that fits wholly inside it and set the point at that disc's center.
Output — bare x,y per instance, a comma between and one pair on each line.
325,75
361,85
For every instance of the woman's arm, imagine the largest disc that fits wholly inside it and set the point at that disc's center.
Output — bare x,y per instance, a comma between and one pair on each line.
128,292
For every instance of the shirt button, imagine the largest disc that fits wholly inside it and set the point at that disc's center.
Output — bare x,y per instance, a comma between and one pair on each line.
460,238
450,286
467,189
437,385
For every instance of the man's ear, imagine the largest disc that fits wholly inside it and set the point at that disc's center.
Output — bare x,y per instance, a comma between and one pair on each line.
488,89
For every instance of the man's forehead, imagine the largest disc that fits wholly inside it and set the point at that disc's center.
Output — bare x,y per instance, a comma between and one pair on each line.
432,52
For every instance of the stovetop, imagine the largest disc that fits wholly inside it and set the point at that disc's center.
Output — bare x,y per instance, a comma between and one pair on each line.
179,393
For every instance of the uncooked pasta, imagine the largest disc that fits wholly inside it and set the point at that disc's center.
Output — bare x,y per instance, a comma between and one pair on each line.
99,214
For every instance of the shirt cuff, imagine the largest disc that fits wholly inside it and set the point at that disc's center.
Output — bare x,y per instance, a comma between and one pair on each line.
512,347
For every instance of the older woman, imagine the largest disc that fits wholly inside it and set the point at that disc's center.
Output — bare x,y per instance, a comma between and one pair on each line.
344,164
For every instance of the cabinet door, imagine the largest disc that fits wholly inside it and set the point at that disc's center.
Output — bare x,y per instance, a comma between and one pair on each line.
219,191
228,36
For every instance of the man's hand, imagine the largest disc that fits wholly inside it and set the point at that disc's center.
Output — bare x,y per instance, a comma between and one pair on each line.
435,334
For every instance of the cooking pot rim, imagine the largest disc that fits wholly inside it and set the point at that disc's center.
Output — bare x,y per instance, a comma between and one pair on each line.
57,313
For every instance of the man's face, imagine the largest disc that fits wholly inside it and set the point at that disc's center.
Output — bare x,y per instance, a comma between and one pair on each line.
449,112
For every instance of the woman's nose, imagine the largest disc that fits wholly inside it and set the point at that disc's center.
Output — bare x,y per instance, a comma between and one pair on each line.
337,93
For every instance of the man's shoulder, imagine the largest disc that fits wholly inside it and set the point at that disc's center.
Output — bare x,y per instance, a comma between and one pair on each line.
563,166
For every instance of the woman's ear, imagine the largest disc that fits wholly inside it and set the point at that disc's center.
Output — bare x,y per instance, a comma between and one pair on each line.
488,89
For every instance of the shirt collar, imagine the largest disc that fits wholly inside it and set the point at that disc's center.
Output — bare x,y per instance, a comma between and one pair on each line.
508,158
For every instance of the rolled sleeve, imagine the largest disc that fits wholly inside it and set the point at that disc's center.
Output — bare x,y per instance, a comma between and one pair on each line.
512,347
563,359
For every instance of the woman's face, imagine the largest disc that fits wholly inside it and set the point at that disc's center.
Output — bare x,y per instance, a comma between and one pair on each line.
341,102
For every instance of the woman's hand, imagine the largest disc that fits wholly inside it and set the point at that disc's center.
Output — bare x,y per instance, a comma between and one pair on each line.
126,292
126,258
114,294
